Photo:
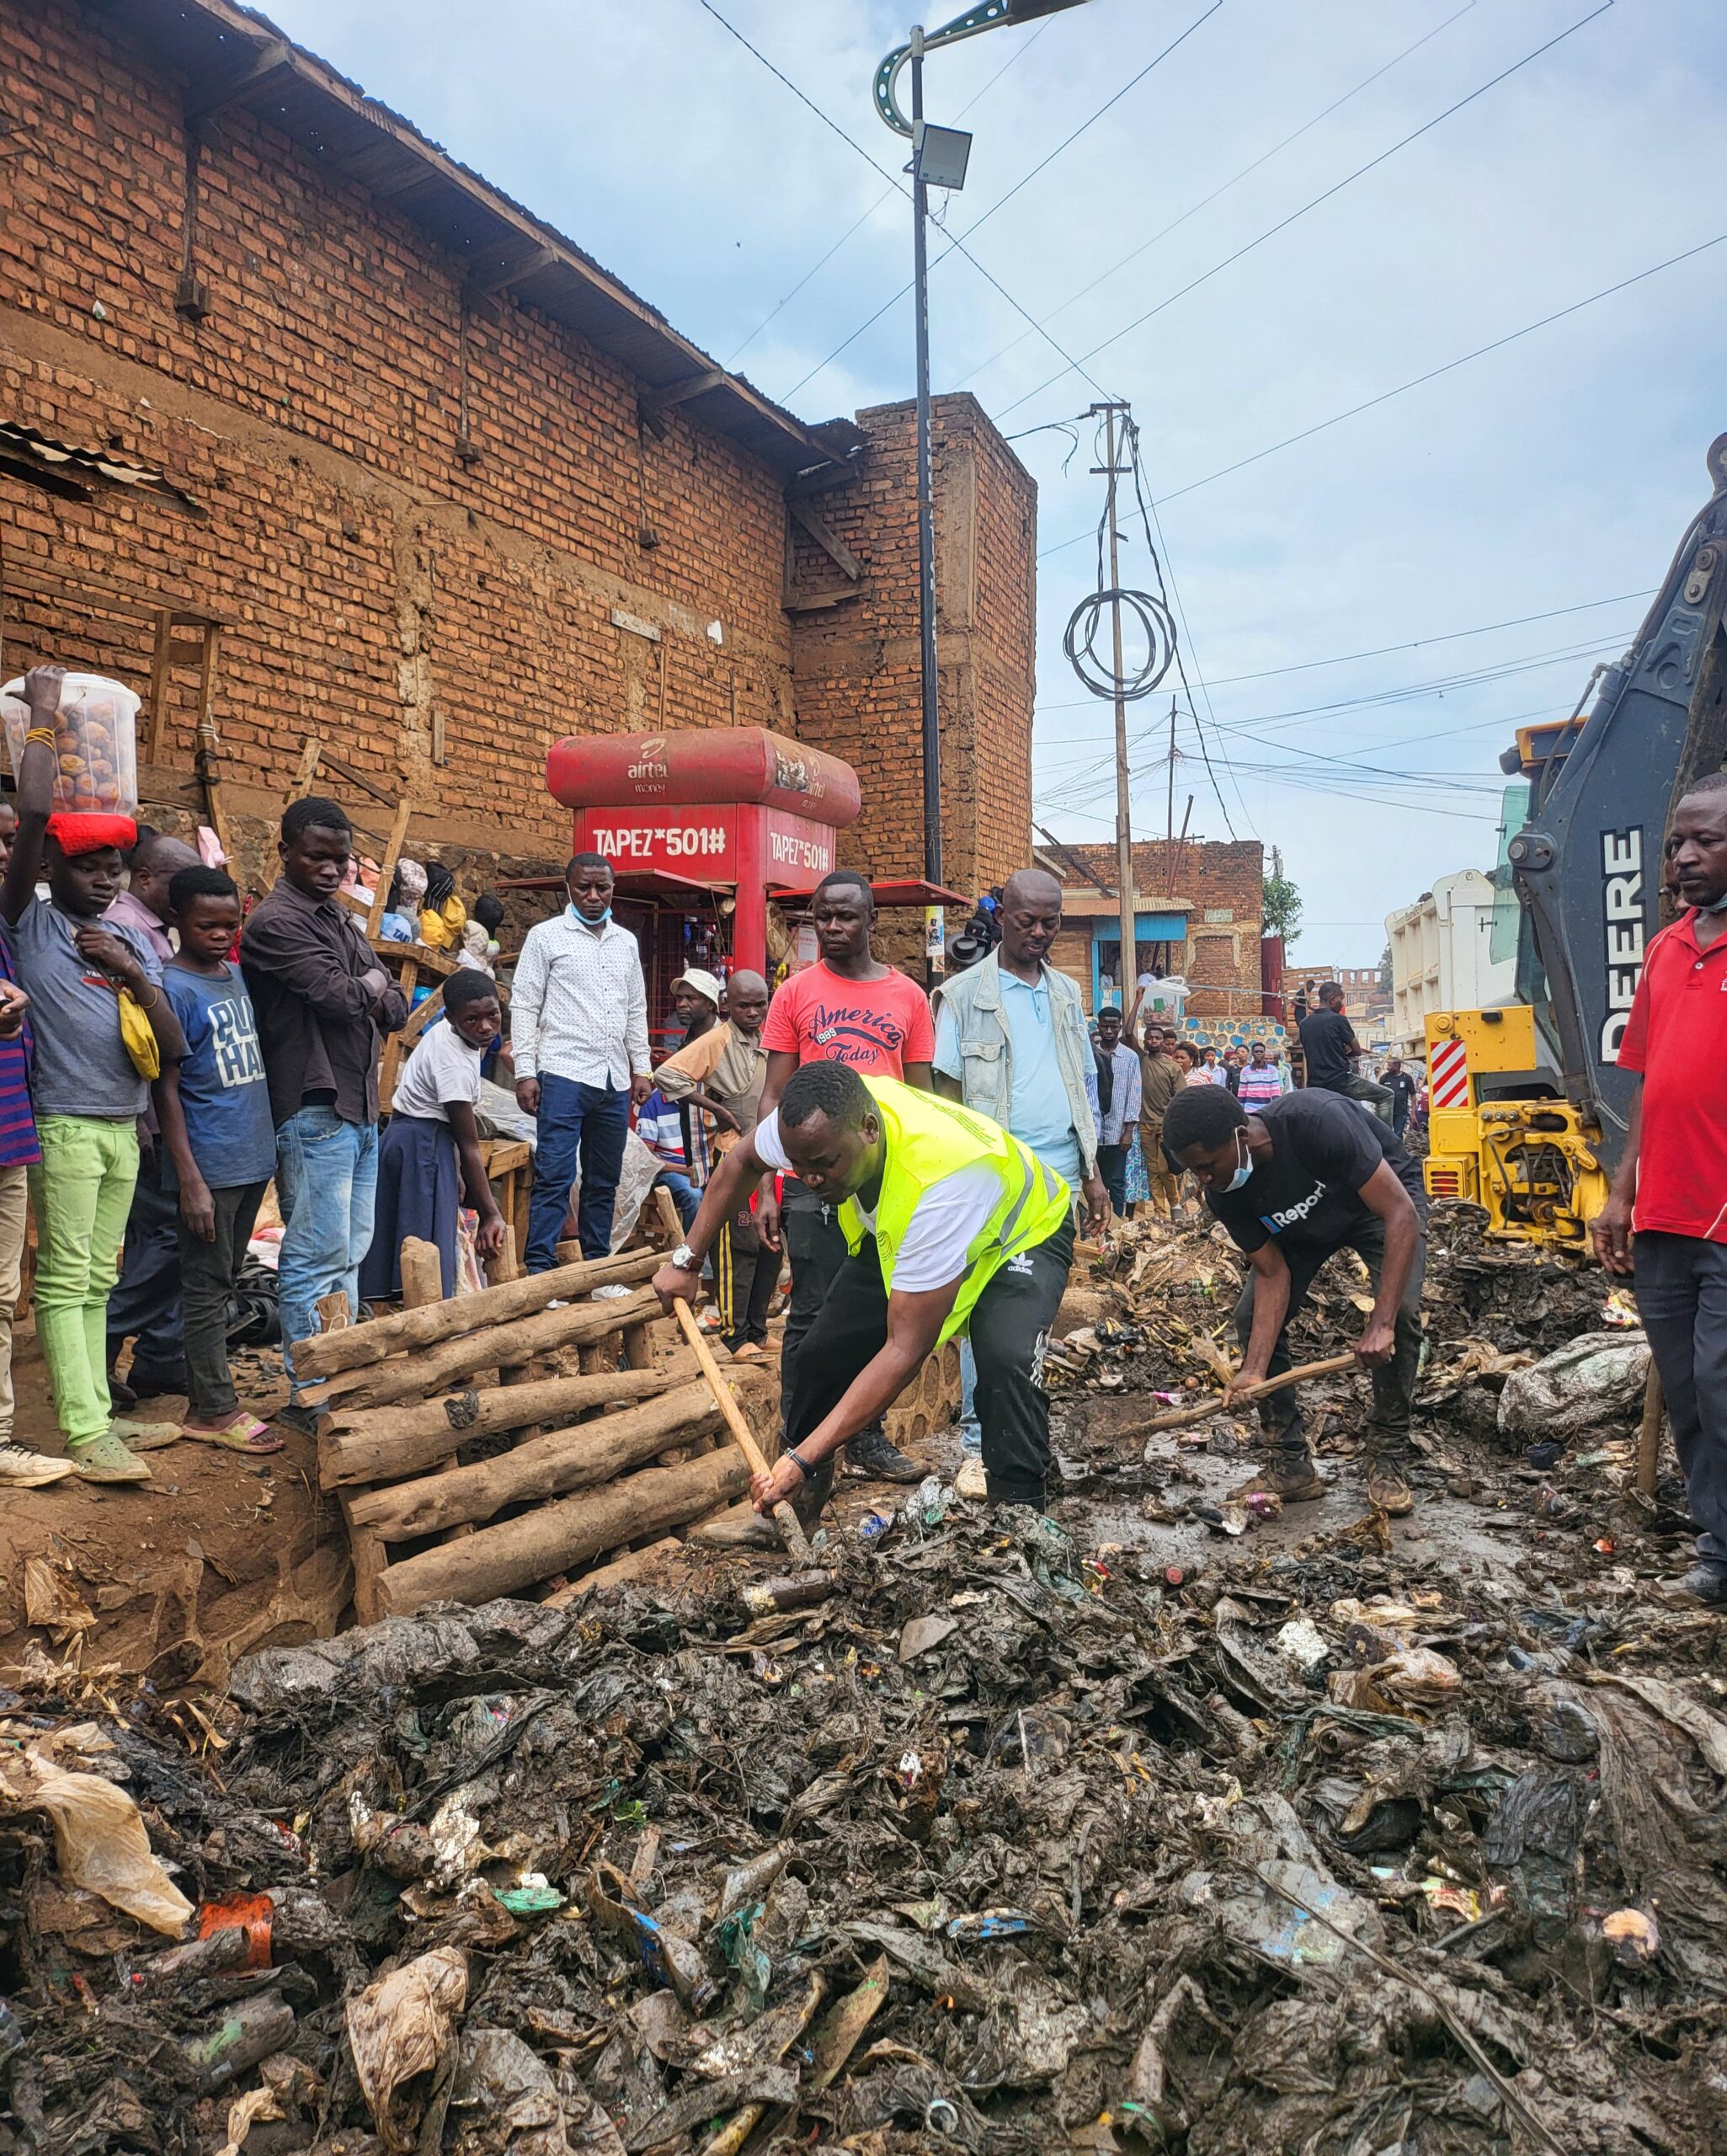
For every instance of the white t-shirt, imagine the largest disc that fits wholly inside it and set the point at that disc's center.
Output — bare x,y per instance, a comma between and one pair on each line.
442,1067
950,1214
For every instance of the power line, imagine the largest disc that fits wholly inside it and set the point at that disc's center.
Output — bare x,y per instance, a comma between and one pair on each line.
1432,374
1205,202
1284,223
1380,651
958,241
1013,60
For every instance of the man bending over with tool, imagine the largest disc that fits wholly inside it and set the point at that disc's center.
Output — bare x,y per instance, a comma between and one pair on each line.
951,1224
1295,1181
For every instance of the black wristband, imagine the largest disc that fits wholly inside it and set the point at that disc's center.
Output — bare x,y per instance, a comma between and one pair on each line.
802,1465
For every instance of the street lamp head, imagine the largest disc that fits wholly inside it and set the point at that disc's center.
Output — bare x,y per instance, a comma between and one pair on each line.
943,155
987,15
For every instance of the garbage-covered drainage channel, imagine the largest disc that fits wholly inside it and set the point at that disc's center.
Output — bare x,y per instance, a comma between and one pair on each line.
996,1834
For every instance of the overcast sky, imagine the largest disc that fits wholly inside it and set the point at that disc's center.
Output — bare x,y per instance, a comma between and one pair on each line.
1555,474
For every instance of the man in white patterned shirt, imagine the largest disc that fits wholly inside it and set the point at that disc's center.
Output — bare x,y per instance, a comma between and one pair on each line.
578,1031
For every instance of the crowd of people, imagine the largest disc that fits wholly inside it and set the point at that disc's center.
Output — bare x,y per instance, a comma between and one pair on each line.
924,1162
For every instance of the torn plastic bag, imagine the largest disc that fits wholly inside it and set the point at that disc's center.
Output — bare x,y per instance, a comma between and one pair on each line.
402,2026
1596,1378
99,1839
513,2106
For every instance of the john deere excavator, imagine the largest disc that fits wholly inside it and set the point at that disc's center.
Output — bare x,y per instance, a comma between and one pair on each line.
1527,1110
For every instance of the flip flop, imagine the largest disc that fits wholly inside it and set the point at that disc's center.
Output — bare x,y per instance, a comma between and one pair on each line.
245,1433
748,1352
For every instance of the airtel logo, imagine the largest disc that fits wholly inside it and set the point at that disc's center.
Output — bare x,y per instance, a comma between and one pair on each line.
650,757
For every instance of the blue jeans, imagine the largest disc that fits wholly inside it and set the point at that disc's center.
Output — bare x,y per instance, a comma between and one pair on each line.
684,1195
971,1430
579,1125
327,1179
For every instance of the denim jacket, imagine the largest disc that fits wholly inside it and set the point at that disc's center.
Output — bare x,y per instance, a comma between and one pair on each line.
973,1001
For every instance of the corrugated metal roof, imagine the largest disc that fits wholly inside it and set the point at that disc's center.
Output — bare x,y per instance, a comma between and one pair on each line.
234,55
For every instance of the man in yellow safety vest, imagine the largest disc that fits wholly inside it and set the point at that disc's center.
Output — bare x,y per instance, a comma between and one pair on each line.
952,1225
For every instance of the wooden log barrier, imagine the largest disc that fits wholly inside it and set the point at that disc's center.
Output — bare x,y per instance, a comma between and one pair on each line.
374,1444
410,1377
576,1458
517,1552
636,1565
359,1347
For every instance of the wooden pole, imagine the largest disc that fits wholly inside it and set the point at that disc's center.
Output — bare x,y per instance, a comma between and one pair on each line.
1184,1419
552,1538
670,1225
386,869
636,1565
363,1346
579,1459
796,1542
412,1377
1649,1437
421,1274
377,1444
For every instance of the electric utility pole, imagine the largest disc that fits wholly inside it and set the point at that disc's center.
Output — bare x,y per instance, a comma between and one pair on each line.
1124,825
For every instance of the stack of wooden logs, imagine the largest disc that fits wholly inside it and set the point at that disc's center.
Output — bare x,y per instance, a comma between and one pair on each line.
566,1467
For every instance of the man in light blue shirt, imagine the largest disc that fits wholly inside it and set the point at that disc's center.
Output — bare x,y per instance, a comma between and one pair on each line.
1011,1041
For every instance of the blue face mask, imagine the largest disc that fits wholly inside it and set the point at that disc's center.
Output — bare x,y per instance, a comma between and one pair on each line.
576,914
1242,1174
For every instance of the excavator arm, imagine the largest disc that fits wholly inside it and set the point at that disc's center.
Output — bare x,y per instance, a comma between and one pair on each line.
1588,866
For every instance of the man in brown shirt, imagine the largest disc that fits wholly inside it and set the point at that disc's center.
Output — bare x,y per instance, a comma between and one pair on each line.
1160,1080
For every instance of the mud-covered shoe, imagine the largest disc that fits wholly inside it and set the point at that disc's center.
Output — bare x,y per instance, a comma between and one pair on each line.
1389,1488
138,1436
1706,1584
1291,1477
22,1470
971,1481
106,1459
869,1454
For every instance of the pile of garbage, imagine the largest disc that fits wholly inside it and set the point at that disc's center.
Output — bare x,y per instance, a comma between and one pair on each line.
978,1838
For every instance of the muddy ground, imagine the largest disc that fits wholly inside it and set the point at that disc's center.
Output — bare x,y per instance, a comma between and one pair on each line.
1122,1831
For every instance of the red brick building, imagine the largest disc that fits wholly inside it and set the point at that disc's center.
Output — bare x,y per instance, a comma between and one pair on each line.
303,423
1199,913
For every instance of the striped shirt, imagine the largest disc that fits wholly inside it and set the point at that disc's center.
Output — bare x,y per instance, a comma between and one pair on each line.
18,1122
579,1004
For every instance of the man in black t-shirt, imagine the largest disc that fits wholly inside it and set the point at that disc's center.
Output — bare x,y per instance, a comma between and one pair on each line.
1303,1177
1402,1086
1329,1047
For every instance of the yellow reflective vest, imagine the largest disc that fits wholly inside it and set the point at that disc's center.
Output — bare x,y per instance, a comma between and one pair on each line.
927,1139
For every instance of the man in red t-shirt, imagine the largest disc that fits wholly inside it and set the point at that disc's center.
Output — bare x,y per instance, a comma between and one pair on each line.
1665,1220
847,1008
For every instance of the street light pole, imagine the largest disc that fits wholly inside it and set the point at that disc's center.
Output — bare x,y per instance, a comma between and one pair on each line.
950,157
931,729
1124,820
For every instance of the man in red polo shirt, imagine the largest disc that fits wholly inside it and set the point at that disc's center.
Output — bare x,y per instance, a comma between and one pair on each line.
1665,1220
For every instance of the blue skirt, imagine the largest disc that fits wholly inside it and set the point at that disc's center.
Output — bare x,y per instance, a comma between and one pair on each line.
418,1195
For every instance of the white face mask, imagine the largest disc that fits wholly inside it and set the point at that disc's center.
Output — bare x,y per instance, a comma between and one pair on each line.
1244,1173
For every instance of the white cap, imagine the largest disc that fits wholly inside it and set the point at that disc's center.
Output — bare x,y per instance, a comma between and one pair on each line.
703,984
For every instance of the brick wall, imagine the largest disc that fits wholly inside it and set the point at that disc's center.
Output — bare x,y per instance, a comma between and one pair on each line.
855,665
1221,883
436,620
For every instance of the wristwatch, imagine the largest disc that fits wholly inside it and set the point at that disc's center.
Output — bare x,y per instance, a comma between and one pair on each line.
683,1258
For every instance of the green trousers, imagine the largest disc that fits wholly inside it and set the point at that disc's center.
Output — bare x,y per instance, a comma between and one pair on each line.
82,1194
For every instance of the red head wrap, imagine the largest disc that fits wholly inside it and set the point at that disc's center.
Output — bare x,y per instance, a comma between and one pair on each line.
80,834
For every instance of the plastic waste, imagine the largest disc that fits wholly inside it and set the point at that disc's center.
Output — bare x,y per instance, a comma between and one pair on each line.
99,1839
401,2027
1301,1643
1597,1378
1636,1938
989,1924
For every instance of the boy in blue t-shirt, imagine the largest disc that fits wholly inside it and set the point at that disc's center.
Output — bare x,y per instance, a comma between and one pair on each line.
214,1109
